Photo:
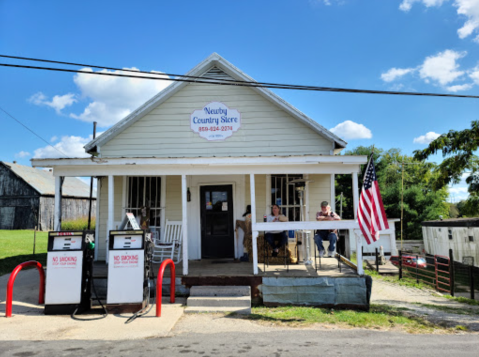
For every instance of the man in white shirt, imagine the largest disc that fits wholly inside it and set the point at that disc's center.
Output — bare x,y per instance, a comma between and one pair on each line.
331,235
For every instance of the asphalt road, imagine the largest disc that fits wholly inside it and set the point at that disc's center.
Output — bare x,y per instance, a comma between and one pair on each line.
278,343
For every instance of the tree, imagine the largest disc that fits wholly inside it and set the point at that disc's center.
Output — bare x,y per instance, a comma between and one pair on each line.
344,183
421,201
457,148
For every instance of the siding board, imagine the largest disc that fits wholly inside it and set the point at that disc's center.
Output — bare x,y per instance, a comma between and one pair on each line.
265,128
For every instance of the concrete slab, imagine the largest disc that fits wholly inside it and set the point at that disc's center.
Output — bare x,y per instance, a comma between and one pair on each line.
220,291
219,301
29,323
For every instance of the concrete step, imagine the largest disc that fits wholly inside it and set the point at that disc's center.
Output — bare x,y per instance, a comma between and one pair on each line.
199,309
220,291
219,301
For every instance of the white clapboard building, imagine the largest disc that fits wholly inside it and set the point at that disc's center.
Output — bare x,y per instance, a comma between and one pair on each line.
198,148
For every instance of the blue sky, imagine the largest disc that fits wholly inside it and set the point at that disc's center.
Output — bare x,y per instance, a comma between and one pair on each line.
410,45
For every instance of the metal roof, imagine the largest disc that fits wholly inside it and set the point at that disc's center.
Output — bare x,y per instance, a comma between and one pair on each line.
453,222
43,181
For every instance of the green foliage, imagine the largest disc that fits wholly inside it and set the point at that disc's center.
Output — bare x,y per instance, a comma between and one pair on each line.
398,174
458,149
462,300
453,211
79,224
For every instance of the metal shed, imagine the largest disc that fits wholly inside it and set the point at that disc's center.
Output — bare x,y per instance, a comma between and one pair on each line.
27,197
459,234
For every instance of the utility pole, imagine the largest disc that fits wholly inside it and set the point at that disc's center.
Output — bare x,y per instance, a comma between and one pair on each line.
91,183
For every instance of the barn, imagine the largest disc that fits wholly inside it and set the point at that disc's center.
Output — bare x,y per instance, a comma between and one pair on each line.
27,198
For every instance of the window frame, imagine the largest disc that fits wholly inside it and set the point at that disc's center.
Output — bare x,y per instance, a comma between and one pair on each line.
285,206
158,208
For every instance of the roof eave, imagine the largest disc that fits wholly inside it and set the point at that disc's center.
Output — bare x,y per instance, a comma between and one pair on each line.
200,69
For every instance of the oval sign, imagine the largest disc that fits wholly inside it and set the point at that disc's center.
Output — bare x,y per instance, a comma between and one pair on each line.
215,121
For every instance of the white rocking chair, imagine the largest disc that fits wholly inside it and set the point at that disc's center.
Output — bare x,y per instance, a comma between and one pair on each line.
171,244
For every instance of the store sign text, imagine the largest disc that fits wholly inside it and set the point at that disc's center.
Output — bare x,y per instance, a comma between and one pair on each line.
215,121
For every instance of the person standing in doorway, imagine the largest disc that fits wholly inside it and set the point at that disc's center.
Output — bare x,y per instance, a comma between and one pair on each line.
276,239
331,235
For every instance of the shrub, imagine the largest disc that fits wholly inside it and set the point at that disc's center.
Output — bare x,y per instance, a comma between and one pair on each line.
79,224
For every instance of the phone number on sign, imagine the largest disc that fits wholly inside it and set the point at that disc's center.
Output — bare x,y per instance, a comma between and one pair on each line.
215,128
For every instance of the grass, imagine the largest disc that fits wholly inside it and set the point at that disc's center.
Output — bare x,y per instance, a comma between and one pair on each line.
449,309
381,317
79,224
405,281
17,247
462,300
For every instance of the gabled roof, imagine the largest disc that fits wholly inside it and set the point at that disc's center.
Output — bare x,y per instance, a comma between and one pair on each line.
214,60
44,182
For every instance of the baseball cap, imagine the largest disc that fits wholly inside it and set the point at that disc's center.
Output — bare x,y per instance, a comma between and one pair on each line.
324,203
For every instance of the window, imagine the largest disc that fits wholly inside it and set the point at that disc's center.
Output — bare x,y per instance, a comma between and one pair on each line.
145,192
286,196
471,238
449,233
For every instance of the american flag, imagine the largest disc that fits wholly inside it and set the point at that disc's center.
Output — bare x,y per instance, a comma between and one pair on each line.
371,215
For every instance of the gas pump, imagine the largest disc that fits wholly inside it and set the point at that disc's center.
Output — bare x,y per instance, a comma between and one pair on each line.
129,260
69,272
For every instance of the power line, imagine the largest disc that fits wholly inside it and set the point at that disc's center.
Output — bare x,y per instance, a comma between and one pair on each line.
217,81
31,131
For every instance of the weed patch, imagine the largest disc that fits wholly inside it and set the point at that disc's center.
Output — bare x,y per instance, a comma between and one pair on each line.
379,317
449,309
462,300
79,224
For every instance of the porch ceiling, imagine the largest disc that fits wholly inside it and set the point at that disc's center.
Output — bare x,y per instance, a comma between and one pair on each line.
203,166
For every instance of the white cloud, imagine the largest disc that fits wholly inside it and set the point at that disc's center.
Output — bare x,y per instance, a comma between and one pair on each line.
395,73
407,4
351,130
470,9
22,154
474,74
58,102
72,146
426,139
442,67
113,98
465,8
460,87
54,138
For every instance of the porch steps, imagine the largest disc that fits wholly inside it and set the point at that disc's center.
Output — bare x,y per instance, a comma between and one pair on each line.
219,299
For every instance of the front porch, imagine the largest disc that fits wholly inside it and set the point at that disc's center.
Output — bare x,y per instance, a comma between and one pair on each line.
332,285
179,198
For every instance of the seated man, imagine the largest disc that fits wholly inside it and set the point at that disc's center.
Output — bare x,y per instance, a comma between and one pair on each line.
332,235
276,236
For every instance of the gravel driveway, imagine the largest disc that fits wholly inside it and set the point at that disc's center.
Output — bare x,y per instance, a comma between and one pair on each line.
387,293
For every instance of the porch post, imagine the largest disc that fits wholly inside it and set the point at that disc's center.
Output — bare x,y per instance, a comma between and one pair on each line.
185,224
58,203
111,212
359,240
163,208
97,217
253,224
359,253
355,194
333,193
